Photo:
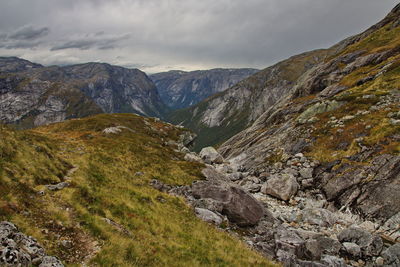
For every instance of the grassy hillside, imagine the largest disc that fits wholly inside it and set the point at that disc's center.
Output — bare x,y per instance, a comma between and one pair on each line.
110,214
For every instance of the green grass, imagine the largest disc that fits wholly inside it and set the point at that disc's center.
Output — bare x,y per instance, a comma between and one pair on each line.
165,231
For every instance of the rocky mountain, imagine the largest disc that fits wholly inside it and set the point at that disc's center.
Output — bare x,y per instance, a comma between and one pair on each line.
32,95
180,89
330,149
81,193
223,115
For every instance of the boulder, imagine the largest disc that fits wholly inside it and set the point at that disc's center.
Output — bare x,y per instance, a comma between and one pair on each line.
240,207
211,174
210,155
371,245
192,157
328,245
352,249
208,216
333,261
318,216
281,186
56,187
50,261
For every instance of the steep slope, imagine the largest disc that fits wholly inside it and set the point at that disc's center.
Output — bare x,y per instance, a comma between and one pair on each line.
223,115
82,189
344,114
32,95
179,89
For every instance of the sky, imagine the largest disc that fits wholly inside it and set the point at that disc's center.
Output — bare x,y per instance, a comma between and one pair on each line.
161,35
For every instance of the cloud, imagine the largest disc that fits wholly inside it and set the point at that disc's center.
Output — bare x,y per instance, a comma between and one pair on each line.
26,37
29,32
98,40
182,34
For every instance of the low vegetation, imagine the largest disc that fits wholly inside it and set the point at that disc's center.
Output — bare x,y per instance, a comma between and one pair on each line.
109,212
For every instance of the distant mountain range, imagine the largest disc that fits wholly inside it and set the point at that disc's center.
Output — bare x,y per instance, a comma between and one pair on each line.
180,89
33,95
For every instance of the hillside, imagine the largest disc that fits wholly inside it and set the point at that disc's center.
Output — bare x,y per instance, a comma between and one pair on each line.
330,149
82,189
33,95
222,115
180,89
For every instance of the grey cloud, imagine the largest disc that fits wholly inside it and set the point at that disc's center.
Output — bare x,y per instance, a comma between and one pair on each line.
98,40
187,34
29,32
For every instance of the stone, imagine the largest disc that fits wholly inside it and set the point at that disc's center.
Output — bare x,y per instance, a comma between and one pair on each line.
371,245
313,250
210,155
328,245
58,186
318,216
352,249
392,255
192,157
333,261
208,216
380,261
235,176
211,174
281,186
67,244
306,173
240,207
50,261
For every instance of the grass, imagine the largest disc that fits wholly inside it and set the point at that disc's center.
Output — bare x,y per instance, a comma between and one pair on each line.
165,231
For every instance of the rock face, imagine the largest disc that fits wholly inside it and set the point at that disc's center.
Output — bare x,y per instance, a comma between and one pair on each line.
17,249
33,95
180,89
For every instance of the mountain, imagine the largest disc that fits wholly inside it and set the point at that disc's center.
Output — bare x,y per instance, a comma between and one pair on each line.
180,89
331,147
221,116
33,95
81,191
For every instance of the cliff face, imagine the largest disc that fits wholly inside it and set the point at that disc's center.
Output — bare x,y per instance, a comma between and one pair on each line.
344,113
179,89
33,95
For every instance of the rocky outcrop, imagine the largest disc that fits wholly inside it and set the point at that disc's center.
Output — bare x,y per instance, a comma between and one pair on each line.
17,249
180,89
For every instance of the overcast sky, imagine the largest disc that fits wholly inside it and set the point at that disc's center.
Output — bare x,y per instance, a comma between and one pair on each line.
159,35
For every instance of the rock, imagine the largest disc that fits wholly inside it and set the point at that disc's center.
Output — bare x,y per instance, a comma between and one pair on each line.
281,186
211,174
50,261
58,186
192,157
352,249
210,155
187,138
392,256
306,173
313,250
318,216
67,244
235,176
333,261
380,261
209,204
371,245
318,108
328,245
208,216
240,207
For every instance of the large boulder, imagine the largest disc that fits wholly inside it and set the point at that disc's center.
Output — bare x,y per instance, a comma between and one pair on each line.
210,155
282,186
240,207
